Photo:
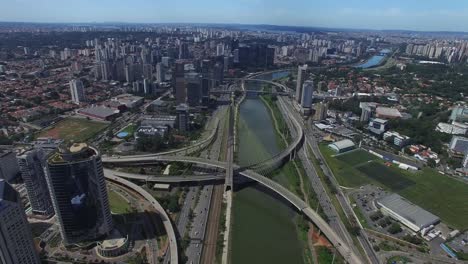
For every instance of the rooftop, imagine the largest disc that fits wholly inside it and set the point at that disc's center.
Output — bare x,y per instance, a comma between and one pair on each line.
345,143
100,111
387,111
408,210
459,144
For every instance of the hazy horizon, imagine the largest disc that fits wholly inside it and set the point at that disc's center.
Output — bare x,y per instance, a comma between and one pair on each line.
354,14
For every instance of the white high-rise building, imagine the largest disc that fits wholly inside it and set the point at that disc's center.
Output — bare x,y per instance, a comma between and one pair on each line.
16,241
160,73
77,91
220,49
301,72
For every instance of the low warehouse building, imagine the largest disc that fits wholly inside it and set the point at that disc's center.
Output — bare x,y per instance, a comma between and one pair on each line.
342,146
99,113
409,214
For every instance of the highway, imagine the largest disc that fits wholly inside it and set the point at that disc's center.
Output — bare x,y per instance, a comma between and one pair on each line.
363,239
316,183
343,246
166,179
319,189
174,255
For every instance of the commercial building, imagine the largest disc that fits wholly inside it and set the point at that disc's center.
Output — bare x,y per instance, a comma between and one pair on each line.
402,210
115,245
378,126
254,56
77,91
455,128
31,163
129,100
183,117
396,138
169,121
151,131
180,91
99,113
307,92
366,110
16,241
194,89
321,110
78,191
301,76
160,73
342,146
387,112
8,166
459,114
458,146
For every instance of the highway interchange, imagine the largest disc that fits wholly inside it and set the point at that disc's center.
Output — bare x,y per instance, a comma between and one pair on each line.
335,231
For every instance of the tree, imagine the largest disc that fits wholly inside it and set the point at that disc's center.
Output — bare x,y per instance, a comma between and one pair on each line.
394,228
431,163
173,205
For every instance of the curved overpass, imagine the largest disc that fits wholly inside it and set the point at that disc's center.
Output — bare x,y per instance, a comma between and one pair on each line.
302,206
162,213
278,159
342,247
158,159
186,150
164,179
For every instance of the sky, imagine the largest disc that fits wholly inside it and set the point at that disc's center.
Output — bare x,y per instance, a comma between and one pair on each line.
426,15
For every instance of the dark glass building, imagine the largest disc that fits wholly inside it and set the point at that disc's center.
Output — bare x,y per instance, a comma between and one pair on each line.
78,190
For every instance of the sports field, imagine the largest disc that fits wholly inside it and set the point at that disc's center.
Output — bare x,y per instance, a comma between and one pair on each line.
74,129
437,193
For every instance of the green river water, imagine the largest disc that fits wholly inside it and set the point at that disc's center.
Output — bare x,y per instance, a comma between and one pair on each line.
263,228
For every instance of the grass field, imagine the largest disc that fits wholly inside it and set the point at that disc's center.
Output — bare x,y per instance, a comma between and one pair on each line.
356,157
118,204
74,129
394,180
439,194
130,129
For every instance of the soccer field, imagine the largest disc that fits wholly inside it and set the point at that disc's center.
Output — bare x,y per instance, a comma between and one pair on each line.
74,129
437,193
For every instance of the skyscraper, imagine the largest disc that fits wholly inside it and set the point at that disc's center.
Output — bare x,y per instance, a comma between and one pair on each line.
321,110
78,190
179,82
307,92
16,241
147,86
220,49
183,117
183,51
301,75
31,165
194,89
160,73
77,91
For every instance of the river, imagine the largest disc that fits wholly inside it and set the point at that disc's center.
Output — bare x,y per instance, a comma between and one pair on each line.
374,60
263,229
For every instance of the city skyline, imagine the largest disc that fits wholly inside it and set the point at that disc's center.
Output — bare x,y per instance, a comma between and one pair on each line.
375,15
